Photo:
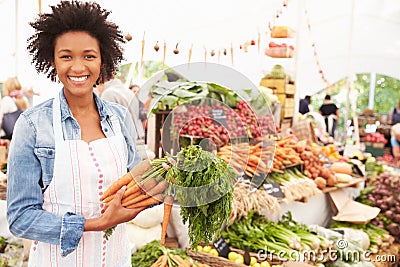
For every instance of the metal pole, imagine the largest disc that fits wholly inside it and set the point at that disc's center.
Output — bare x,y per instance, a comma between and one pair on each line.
372,83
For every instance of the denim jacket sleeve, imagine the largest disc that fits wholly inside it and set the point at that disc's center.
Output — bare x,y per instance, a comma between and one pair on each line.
25,215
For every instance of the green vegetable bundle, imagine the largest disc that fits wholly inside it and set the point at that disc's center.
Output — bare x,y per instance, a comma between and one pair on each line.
203,184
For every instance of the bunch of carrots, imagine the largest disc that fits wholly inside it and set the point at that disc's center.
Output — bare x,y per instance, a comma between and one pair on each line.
254,159
145,186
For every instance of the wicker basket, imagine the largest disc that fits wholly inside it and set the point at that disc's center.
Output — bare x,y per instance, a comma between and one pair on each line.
211,260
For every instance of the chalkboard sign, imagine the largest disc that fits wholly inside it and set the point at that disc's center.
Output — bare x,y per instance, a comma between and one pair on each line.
222,247
219,116
274,189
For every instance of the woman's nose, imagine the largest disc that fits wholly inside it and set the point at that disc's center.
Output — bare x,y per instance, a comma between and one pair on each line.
78,65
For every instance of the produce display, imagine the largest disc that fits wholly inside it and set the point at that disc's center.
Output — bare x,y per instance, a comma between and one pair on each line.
284,237
220,123
246,199
155,255
11,252
384,193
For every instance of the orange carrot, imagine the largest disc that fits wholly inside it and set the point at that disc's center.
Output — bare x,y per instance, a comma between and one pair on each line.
138,170
137,187
123,180
155,190
146,202
130,197
168,201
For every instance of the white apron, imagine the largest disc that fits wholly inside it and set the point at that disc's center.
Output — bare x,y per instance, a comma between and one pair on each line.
82,172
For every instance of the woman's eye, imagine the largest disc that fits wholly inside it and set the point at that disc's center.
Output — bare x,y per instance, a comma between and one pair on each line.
66,57
90,56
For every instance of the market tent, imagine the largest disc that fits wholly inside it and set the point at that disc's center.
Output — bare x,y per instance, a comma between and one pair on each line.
345,37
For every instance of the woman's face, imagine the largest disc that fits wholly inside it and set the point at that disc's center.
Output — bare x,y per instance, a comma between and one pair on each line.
77,60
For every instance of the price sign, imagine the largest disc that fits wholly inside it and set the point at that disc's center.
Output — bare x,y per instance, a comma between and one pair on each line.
219,116
222,247
274,189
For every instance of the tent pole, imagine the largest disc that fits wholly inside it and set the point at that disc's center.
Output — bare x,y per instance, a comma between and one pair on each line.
16,39
300,20
371,98
350,75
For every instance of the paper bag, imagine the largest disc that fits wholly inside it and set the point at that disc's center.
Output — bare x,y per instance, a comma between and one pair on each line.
348,210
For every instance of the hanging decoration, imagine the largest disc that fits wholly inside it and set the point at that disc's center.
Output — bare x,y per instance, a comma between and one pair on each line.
128,37
314,47
278,13
165,52
143,43
190,53
219,55
176,50
232,55
156,47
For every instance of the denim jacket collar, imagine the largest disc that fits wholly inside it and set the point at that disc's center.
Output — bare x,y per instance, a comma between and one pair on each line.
104,111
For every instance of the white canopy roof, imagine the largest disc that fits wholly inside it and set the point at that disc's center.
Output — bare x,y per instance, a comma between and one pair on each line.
349,36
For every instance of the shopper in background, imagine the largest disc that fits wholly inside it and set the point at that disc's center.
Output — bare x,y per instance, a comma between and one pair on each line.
395,141
142,113
304,105
29,93
331,114
115,91
12,105
68,150
395,114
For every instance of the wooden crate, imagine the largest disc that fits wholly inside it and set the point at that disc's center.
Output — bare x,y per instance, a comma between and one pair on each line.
158,130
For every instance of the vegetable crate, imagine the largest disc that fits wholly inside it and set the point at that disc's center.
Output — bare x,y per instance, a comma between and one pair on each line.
376,149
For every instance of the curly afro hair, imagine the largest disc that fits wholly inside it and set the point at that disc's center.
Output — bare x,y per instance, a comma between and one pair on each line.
69,16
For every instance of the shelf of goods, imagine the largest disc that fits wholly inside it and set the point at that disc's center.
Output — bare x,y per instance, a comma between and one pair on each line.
281,46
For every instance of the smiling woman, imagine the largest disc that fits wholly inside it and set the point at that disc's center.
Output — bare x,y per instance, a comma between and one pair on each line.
75,145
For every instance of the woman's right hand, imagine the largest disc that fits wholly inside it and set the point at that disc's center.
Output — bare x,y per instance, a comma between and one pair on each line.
113,215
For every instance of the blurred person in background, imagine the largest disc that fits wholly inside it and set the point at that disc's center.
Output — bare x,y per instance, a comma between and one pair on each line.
115,91
331,114
29,93
142,113
395,141
304,105
395,114
13,104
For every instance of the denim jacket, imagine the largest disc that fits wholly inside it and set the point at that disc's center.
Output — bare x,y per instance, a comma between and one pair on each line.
30,170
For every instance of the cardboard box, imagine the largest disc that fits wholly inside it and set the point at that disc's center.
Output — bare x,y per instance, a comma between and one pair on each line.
290,89
288,112
278,84
282,32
